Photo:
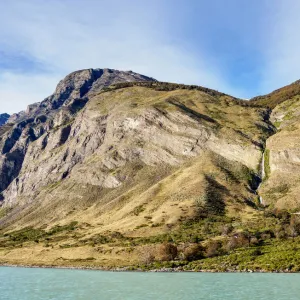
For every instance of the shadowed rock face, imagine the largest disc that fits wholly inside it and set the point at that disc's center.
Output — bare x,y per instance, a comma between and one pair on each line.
3,118
34,124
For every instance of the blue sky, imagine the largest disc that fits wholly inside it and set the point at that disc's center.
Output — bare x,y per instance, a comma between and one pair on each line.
244,48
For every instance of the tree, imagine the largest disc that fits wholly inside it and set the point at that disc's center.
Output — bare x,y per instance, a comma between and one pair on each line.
193,252
294,227
167,252
213,248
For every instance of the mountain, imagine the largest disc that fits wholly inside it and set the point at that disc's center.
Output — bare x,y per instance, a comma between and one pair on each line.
73,91
3,118
118,169
57,111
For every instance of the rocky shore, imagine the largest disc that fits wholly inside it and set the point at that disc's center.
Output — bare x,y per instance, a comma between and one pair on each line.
137,269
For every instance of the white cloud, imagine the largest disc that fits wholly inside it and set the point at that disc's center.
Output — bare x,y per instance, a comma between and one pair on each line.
18,90
59,37
69,35
282,45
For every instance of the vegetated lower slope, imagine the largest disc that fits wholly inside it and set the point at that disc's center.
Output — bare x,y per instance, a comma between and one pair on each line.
139,173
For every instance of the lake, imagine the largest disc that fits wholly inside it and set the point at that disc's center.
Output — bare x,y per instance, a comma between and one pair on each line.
63,284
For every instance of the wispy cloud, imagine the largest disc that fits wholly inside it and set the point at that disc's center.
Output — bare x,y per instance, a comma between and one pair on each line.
282,45
57,37
223,45
18,90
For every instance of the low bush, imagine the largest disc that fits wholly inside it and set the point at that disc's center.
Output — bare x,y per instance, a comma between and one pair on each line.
193,252
213,248
167,251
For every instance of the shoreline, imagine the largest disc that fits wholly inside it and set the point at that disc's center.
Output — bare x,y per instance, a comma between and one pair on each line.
127,269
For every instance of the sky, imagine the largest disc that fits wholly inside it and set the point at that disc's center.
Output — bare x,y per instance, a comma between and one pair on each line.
243,48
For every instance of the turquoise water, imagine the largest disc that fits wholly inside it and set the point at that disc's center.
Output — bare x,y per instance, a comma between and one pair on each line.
54,284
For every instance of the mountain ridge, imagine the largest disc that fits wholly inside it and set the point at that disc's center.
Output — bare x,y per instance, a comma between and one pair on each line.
76,85
127,159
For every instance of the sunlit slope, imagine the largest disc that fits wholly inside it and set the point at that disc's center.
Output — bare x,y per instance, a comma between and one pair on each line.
139,159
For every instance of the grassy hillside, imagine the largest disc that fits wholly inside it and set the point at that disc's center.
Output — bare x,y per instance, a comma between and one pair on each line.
152,175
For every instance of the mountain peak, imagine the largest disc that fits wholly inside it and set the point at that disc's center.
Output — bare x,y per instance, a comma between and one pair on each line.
78,85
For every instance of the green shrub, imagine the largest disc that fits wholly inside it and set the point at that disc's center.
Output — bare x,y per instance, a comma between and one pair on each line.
256,252
193,252
213,248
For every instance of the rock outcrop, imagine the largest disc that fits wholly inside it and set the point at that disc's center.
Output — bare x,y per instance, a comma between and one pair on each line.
53,113
3,119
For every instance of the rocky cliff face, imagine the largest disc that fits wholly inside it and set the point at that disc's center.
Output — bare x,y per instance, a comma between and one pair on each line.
34,124
3,118
72,92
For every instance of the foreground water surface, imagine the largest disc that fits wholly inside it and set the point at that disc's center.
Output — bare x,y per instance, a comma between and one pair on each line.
31,284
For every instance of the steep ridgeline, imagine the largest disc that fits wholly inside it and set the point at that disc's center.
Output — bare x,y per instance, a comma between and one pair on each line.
33,126
73,91
3,119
